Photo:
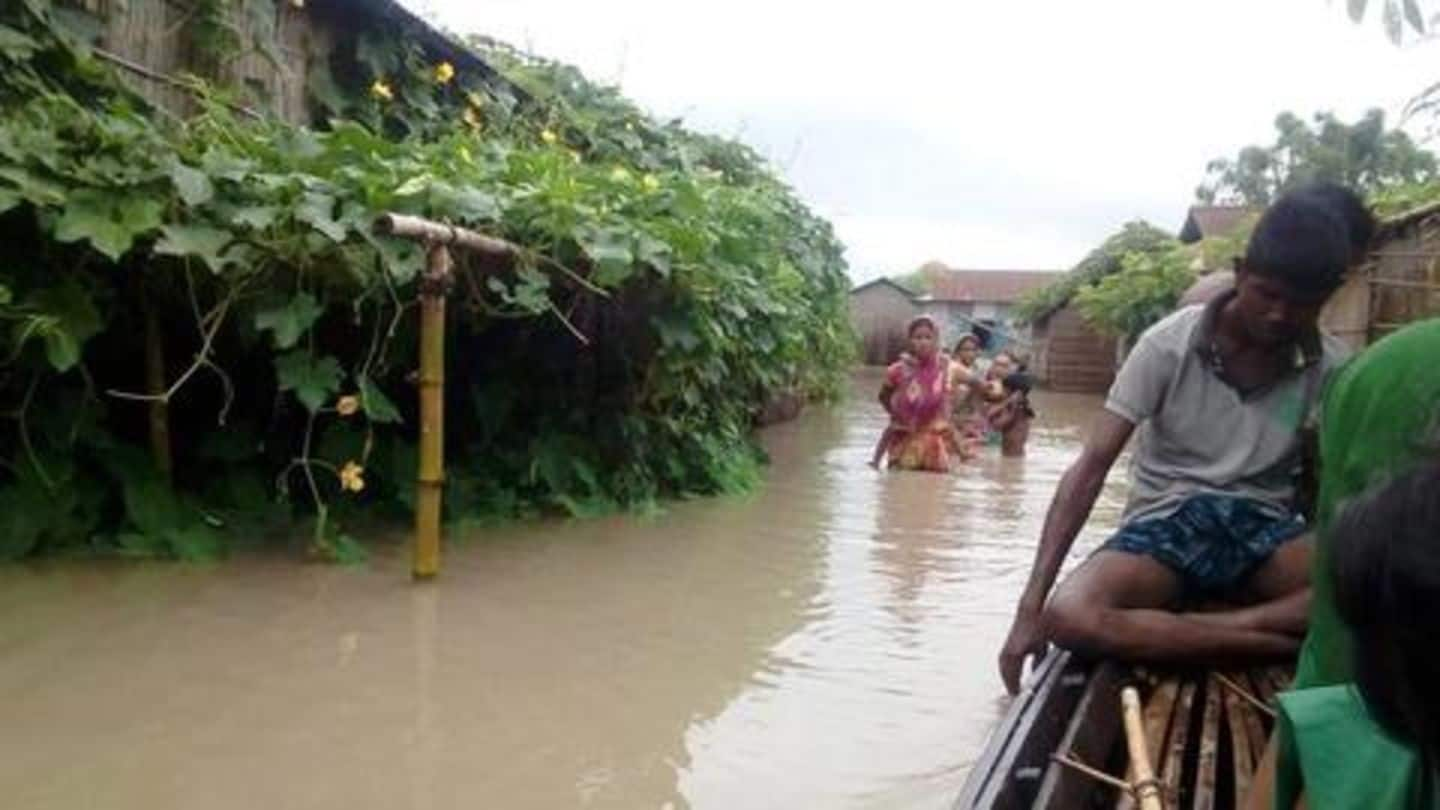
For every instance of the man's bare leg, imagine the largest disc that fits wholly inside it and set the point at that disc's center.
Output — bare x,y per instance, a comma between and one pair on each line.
1121,605
1279,592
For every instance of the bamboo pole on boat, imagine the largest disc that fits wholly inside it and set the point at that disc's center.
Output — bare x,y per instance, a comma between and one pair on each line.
1145,786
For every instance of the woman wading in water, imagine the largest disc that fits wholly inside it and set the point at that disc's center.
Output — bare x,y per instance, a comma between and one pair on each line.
917,395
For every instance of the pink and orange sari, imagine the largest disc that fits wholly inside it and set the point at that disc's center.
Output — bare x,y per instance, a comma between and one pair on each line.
922,436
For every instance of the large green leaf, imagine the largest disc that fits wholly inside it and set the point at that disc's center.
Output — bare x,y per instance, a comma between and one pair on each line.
313,379
469,204
33,187
111,221
290,320
200,241
9,198
16,45
69,320
611,250
317,210
377,406
257,217
193,185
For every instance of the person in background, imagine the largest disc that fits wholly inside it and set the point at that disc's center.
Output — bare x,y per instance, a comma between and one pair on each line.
916,394
1012,417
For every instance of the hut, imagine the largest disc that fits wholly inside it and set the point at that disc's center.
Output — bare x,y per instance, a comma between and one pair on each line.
879,311
980,301
1401,282
1069,354
283,58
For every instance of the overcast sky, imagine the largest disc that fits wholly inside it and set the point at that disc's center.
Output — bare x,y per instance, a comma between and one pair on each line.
984,133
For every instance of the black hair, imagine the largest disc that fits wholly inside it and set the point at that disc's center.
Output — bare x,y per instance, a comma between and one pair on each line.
971,339
1301,241
1386,567
1357,218
1017,381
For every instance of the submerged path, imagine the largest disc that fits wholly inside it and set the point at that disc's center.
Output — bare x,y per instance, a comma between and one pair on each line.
826,643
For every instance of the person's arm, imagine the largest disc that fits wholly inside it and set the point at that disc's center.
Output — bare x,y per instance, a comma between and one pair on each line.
1002,416
1074,498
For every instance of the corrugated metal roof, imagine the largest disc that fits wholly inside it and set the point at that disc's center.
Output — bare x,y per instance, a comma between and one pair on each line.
1213,220
995,286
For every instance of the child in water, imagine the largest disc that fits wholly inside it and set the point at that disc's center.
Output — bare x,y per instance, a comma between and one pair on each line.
892,431
1012,417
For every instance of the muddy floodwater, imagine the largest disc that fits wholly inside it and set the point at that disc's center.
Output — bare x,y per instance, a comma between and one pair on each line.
828,642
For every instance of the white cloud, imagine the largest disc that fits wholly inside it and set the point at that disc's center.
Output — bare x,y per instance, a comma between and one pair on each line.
982,133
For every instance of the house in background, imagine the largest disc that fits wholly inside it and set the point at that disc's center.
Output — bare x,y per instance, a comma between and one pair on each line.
1071,355
1205,221
880,310
981,302
960,301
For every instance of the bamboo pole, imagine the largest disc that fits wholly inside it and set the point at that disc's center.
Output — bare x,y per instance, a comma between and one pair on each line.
155,386
1146,786
431,479
435,233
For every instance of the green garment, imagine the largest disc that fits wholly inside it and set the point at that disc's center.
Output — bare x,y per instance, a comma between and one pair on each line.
1380,413
1332,750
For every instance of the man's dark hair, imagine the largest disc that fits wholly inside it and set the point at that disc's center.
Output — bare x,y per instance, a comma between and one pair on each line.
1386,567
1300,241
1350,207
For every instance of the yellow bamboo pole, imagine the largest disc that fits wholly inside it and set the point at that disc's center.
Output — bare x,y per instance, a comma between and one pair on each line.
1145,786
431,479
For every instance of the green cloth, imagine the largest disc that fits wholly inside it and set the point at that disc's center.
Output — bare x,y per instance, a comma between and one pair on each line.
1378,415
1333,750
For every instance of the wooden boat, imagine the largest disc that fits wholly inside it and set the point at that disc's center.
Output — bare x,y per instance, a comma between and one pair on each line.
1205,730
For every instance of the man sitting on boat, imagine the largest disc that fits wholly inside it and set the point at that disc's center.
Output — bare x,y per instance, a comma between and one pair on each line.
1219,393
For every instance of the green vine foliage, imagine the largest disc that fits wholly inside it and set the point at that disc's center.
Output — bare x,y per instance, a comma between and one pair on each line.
1135,237
668,284
1144,290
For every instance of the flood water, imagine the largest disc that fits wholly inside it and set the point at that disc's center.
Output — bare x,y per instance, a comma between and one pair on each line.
828,642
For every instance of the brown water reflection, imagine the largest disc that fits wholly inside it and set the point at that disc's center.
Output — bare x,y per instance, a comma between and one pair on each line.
828,642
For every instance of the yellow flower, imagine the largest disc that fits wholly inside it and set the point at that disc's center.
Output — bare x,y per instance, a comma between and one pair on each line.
352,477
348,405
382,91
476,100
619,174
472,117
650,182
548,136
444,72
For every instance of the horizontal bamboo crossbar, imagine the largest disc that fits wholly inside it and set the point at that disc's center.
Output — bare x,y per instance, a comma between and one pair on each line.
1414,285
436,233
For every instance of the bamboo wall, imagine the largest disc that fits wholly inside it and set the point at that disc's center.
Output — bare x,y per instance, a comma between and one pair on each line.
1404,274
152,35
1071,355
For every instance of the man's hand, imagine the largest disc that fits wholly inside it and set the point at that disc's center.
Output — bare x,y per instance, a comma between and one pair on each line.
1027,638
